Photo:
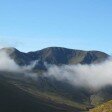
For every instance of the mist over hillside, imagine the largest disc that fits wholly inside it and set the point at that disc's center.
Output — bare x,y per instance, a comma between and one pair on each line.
75,79
84,68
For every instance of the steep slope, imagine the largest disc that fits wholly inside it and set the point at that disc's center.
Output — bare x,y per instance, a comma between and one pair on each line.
16,98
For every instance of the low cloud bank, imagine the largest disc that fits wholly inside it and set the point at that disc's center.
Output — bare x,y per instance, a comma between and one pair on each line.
94,75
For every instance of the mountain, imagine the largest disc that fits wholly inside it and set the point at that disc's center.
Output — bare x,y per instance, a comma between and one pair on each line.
42,94
57,56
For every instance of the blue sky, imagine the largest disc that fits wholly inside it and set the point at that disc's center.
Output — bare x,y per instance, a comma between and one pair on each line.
36,24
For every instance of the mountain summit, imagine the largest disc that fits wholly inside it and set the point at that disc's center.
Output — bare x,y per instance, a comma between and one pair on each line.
56,55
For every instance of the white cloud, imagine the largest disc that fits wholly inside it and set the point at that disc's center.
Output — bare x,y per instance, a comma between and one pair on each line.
94,75
8,64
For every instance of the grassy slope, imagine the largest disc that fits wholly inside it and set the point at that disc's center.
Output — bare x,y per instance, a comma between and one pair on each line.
28,95
49,97
106,107
13,99
16,97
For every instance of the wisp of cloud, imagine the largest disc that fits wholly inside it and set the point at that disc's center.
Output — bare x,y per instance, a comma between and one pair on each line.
8,64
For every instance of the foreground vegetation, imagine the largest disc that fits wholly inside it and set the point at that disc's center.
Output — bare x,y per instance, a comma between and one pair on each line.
106,107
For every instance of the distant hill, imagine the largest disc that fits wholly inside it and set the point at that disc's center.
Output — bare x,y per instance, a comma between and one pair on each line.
56,55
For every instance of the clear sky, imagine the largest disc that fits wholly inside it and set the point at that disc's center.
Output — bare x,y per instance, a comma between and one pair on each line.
36,24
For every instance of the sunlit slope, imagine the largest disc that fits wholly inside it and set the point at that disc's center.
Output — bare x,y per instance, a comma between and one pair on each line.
106,107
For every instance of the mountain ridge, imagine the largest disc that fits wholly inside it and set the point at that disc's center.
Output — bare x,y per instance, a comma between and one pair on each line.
57,55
